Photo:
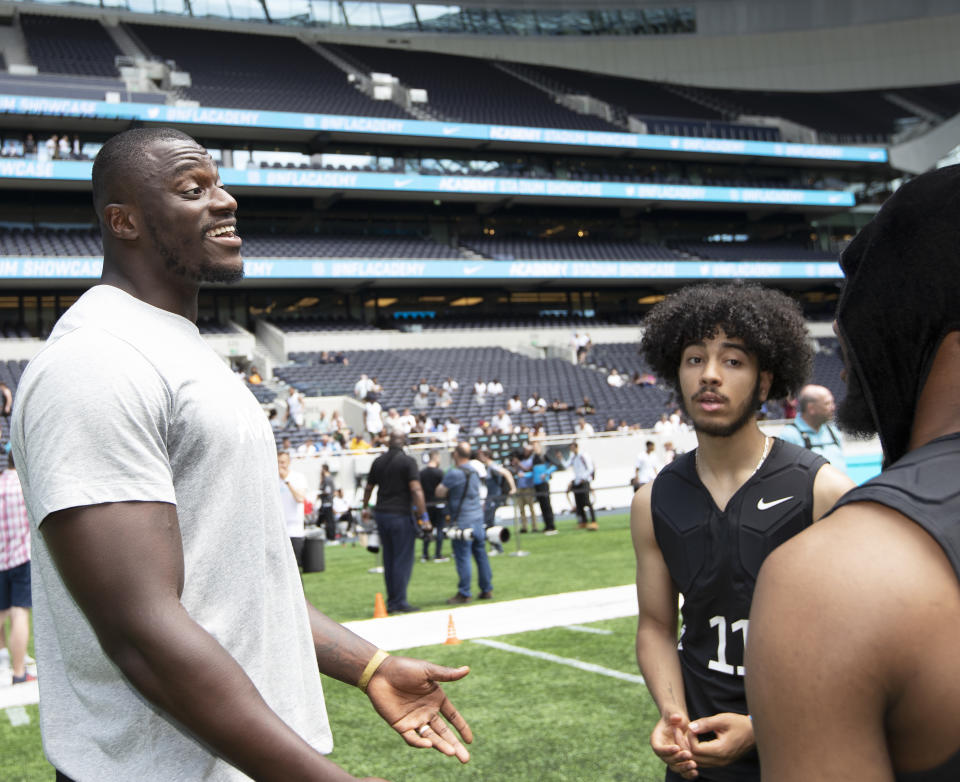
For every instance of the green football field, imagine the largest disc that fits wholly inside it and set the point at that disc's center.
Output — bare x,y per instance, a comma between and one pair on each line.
533,717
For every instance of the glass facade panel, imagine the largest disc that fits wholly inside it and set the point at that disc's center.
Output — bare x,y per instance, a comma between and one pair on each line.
246,9
166,6
284,11
429,18
217,8
363,14
397,15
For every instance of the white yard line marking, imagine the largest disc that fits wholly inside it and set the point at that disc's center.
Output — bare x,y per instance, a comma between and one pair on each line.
594,630
18,716
627,677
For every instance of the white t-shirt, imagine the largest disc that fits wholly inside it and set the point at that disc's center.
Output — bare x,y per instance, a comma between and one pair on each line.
293,510
648,465
127,402
372,417
295,408
584,431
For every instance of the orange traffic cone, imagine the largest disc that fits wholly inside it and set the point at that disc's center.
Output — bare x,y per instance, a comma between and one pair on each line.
379,608
452,633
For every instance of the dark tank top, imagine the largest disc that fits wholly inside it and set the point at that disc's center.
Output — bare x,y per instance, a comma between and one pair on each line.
923,487
714,557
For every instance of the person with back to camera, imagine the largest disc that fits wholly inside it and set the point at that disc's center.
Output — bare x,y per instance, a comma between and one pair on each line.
461,489
173,639
399,490
851,668
705,524
500,486
541,470
430,478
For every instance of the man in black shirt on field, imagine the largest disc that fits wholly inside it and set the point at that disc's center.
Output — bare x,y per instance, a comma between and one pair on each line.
327,490
430,477
705,524
399,490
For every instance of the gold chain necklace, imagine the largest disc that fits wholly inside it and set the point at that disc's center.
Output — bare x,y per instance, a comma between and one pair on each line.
767,441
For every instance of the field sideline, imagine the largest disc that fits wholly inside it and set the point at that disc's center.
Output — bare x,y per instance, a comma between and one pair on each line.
565,703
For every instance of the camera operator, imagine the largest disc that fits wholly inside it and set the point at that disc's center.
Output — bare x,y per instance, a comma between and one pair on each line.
461,488
398,480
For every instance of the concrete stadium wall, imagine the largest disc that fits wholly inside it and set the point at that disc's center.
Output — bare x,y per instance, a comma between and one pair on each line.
539,339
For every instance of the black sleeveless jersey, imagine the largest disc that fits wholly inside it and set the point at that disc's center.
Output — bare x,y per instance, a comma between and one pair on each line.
714,557
923,487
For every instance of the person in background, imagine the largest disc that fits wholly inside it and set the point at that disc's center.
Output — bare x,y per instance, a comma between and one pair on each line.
812,427
395,476
461,489
294,408
373,418
583,428
15,596
500,485
522,464
293,495
704,525
430,477
542,469
647,467
583,473
326,492
343,515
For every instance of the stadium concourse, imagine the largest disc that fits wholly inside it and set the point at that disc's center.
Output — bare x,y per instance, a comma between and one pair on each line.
409,631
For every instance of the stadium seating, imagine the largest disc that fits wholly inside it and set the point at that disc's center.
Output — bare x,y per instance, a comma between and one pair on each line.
294,325
313,246
462,320
240,70
398,370
71,46
656,104
464,89
50,241
568,249
753,251
865,116
19,241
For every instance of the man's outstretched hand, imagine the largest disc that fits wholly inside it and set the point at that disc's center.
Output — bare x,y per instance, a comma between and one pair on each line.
407,694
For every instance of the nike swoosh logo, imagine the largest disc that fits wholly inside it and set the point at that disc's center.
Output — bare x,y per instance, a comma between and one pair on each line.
761,505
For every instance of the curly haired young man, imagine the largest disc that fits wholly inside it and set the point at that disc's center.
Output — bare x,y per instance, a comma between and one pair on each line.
704,526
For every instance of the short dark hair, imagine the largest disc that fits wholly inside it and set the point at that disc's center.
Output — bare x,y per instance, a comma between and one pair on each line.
769,322
116,164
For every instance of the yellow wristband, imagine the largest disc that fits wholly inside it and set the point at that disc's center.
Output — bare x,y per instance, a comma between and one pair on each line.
372,666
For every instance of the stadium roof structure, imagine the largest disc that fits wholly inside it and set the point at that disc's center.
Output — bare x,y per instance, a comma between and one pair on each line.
536,17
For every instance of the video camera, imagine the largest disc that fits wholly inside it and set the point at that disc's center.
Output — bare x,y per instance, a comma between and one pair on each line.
495,534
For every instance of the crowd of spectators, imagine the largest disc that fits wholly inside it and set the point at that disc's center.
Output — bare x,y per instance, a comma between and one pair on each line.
58,146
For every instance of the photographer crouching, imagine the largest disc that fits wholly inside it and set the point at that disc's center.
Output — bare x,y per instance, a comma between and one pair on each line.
461,489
